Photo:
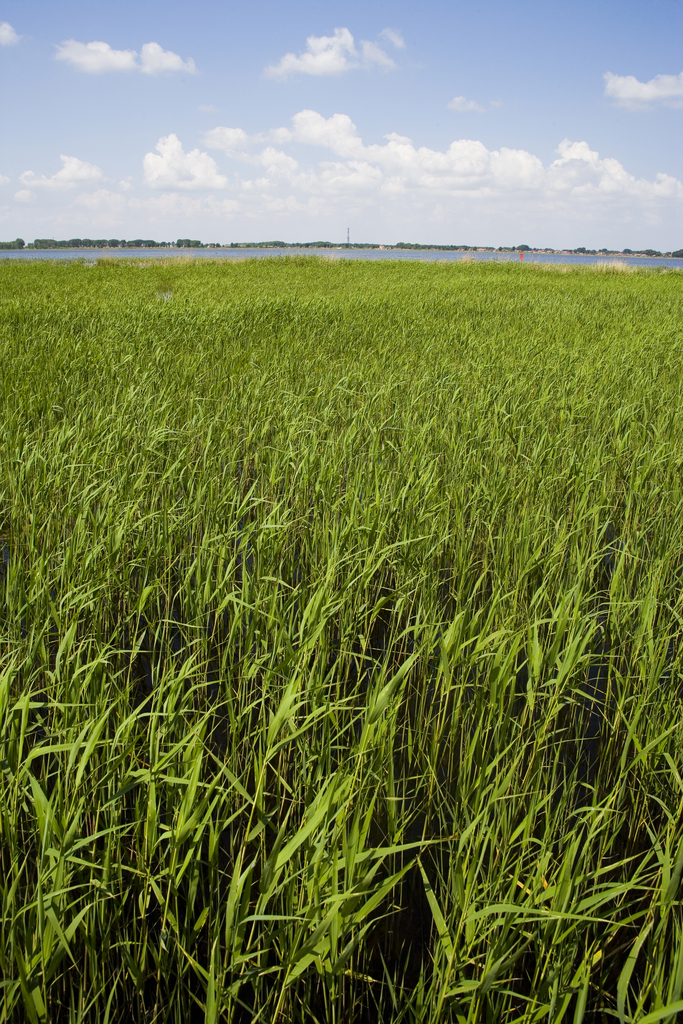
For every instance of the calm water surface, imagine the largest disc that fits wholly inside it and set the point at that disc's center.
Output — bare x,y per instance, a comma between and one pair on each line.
89,255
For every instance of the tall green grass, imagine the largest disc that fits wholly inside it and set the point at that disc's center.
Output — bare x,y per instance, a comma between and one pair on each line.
340,675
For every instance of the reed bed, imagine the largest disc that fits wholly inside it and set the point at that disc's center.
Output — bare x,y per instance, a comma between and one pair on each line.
340,664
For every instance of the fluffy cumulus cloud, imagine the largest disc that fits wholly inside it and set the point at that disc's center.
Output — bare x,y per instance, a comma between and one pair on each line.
332,55
97,58
581,173
8,37
629,92
397,170
233,141
171,167
4,180
318,171
462,105
73,172
394,167
155,61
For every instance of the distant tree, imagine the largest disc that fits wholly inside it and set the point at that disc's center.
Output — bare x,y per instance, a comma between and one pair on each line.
678,254
627,252
524,248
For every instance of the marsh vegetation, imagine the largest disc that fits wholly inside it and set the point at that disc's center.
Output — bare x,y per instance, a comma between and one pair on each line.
340,666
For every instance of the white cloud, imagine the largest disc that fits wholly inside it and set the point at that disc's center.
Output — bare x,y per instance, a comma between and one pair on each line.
370,175
330,55
582,173
325,55
24,195
171,167
317,173
629,92
279,166
277,163
73,172
4,180
155,61
337,132
393,36
8,37
374,54
98,57
232,141
102,202
462,105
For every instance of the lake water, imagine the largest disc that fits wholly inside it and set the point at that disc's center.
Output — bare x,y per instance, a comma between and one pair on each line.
428,255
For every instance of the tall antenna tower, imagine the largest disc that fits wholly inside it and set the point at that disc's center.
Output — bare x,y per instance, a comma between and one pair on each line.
348,236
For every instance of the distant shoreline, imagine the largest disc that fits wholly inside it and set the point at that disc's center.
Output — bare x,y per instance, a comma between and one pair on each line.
358,248
183,245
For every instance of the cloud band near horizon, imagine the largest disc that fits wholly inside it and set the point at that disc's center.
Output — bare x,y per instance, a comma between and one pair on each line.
268,175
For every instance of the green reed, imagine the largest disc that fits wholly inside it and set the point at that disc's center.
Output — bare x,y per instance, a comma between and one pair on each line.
340,675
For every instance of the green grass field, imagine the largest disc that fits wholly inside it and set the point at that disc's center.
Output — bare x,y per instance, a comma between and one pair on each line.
340,663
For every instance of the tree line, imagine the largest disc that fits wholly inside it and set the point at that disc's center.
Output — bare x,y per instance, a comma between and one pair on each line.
195,243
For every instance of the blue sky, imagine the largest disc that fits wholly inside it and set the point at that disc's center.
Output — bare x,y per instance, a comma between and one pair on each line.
491,123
